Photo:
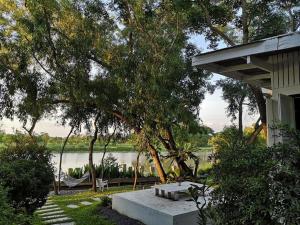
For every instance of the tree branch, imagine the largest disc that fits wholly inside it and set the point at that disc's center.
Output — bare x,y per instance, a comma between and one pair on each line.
216,30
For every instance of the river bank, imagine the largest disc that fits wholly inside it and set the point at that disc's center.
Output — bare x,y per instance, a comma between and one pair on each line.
84,147
81,148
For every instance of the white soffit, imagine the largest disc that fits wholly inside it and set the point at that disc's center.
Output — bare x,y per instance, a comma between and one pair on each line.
269,45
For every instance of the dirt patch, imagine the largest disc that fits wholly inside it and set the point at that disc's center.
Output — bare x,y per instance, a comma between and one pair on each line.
116,217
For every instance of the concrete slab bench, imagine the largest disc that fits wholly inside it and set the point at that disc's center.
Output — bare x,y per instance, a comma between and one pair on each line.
172,191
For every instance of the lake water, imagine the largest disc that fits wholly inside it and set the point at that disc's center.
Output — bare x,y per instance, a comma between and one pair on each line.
77,160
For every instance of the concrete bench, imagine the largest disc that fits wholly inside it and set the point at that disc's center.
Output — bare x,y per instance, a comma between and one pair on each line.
172,191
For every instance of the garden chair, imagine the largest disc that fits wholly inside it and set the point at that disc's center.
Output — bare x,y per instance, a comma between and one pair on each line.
101,184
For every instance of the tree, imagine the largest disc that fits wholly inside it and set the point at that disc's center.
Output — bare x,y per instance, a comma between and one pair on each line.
61,155
190,138
238,95
91,150
136,170
134,65
107,140
25,92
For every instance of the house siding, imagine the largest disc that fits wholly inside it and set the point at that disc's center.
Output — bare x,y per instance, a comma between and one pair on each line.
285,80
285,77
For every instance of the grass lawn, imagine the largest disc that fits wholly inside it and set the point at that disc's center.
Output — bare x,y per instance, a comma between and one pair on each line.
84,215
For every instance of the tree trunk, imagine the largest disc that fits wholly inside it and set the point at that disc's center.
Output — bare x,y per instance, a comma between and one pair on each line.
151,149
61,154
31,129
136,170
241,119
91,151
183,168
245,22
55,187
104,152
261,104
159,168
260,100
170,145
196,162
255,134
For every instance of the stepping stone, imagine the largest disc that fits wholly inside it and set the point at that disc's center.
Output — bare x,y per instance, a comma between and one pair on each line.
49,206
53,216
97,199
86,203
49,203
47,210
58,220
68,223
71,206
51,213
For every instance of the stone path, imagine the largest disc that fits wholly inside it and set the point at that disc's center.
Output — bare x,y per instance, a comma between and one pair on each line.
72,206
86,203
53,214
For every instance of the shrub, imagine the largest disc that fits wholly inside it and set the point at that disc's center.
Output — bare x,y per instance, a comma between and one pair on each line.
26,172
285,179
241,172
105,201
76,173
8,214
255,184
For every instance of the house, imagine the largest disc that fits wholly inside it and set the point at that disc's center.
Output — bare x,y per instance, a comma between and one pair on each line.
272,64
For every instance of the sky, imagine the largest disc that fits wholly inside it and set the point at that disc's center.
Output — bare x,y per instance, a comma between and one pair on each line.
212,109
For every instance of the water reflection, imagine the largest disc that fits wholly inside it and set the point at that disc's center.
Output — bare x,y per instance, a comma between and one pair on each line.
76,160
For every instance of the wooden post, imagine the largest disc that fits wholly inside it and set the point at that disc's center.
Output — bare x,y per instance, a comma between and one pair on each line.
124,168
142,170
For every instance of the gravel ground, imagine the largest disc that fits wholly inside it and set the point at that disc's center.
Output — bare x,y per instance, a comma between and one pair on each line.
117,217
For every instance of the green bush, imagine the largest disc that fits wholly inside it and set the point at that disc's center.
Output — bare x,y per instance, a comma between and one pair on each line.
27,174
241,173
76,172
8,214
285,179
255,185
105,201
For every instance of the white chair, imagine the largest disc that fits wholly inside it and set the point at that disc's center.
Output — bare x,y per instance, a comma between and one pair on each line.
101,184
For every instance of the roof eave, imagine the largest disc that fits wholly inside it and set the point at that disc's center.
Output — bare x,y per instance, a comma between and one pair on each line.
278,43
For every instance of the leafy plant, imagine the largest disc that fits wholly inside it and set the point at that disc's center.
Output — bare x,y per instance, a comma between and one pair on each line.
26,172
255,184
76,172
285,178
199,193
8,214
105,201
